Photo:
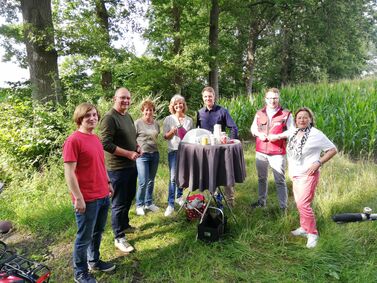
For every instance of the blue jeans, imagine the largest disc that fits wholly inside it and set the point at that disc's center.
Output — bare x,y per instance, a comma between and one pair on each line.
146,170
124,185
172,158
90,226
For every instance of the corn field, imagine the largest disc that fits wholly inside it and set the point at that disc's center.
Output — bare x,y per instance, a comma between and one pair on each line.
345,111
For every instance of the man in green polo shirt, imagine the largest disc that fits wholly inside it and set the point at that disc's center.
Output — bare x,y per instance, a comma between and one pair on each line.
118,136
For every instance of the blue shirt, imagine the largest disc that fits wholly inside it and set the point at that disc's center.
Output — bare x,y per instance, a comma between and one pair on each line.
206,119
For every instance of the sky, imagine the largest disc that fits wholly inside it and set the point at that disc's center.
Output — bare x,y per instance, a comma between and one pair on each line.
10,72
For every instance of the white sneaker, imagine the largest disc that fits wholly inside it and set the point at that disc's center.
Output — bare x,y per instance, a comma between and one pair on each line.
169,210
180,201
140,211
152,207
312,241
299,232
123,245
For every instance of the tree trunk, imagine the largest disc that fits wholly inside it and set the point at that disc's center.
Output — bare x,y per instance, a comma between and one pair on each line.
103,20
176,13
286,58
262,15
41,54
213,46
250,60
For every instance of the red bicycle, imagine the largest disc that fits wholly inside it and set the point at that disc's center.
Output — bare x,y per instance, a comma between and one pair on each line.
17,269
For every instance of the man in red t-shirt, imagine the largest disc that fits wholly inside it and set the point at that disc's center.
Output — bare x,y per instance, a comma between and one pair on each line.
86,176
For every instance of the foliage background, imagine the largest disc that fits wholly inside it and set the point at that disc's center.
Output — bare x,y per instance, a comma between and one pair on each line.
271,43
261,43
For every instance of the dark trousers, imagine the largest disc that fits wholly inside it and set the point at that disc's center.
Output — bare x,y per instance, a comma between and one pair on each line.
124,185
90,226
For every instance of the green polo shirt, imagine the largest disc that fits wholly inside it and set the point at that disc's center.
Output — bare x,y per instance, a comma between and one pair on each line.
117,130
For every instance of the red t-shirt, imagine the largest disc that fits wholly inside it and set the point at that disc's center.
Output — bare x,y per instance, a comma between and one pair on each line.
87,151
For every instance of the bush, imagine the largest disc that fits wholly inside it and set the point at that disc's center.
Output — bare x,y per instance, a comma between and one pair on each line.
30,132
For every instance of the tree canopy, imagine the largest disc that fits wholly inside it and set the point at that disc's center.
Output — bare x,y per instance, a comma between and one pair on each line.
237,46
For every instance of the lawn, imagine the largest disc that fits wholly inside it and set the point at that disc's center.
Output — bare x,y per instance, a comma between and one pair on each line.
258,248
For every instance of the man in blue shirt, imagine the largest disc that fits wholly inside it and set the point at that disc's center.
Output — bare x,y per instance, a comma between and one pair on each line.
212,114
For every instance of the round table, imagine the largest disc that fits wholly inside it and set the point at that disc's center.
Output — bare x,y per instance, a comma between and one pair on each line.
206,167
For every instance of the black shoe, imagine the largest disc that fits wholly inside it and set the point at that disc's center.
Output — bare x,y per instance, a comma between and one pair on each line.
257,205
84,277
101,266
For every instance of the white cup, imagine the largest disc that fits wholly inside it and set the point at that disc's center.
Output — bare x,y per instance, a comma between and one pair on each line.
217,131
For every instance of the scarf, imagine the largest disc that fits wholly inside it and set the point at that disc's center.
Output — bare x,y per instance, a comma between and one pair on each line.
295,144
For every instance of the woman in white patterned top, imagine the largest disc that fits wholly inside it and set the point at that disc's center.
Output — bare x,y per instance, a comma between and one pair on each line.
305,146
175,127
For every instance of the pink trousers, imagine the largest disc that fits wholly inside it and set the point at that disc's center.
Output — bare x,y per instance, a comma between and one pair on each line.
303,190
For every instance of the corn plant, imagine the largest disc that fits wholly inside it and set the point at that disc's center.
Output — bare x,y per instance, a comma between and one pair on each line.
344,111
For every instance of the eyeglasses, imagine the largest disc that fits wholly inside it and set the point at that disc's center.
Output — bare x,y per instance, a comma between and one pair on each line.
124,97
272,98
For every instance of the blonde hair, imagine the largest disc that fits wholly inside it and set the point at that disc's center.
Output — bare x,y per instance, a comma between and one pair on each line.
81,111
174,100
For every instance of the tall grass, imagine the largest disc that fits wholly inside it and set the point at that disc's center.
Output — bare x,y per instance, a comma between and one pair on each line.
242,109
345,111
257,249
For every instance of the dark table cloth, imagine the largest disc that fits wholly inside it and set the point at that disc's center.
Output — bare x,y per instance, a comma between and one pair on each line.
206,167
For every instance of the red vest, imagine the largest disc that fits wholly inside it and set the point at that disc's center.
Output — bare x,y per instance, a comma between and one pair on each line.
277,126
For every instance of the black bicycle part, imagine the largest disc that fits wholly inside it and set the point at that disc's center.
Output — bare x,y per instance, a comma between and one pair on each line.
353,217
